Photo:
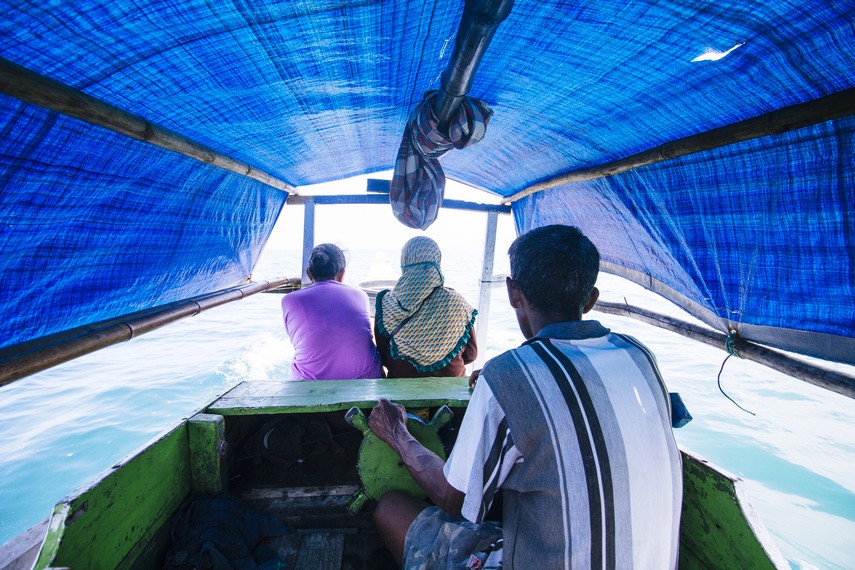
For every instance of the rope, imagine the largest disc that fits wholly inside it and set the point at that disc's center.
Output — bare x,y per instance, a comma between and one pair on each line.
730,343
729,346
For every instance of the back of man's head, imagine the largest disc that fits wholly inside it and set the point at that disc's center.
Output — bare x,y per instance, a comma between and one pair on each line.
556,268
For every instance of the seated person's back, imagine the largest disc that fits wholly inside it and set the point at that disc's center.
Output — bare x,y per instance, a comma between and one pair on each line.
422,327
573,427
328,323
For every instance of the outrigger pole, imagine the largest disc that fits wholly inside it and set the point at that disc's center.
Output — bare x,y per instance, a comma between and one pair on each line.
830,380
28,357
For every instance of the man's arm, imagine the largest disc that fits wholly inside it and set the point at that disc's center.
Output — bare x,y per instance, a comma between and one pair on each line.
389,422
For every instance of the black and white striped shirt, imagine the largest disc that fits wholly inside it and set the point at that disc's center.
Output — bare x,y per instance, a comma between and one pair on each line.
575,427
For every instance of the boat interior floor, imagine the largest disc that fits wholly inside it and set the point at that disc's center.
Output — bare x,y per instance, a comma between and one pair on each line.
302,469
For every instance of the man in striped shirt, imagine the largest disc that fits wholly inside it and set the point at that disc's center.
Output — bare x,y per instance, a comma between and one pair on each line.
574,427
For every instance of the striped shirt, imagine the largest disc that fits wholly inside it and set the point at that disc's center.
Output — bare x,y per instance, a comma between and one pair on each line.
575,427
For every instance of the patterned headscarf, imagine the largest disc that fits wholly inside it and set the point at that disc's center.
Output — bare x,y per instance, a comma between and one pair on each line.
426,324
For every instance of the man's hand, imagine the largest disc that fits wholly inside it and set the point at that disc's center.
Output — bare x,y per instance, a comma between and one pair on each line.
473,378
388,421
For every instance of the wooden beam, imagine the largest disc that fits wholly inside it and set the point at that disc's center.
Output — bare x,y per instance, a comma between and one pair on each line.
839,382
30,87
28,357
786,119
381,199
308,239
276,397
206,433
486,285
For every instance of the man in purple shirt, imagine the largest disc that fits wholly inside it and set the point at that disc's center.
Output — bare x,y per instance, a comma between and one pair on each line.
328,323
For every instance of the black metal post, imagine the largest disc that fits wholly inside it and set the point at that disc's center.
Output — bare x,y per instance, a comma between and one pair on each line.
480,20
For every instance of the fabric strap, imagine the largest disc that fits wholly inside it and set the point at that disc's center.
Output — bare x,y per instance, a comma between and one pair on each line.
418,181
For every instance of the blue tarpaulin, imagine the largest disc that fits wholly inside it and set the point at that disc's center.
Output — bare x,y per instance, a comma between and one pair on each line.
756,236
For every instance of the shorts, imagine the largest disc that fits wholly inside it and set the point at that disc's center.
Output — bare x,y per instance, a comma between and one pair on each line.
437,540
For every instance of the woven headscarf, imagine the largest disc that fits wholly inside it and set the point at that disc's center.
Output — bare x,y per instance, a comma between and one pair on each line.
426,324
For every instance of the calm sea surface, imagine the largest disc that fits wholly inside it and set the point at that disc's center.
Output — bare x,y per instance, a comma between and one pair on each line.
60,428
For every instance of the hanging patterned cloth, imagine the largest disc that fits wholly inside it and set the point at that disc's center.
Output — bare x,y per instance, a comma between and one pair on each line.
426,324
418,183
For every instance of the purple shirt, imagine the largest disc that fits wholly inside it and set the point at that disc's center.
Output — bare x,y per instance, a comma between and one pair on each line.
329,327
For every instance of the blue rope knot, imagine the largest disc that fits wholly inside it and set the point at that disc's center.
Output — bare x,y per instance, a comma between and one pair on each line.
730,343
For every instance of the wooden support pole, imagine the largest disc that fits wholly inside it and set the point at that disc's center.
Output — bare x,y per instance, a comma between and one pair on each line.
786,119
26,358
206,433
486,288
829,379
30,87
308,237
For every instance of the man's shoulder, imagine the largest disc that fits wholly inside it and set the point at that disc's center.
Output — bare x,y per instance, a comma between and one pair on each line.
504,365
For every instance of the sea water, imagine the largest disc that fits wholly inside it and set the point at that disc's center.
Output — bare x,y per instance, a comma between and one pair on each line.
61,427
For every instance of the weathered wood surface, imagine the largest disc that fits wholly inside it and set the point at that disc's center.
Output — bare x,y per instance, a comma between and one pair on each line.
110,523
251,397
719,529
310,507
207,441
320,551
20,553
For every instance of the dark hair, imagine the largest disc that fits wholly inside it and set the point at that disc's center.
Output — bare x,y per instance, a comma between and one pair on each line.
555,267
326,261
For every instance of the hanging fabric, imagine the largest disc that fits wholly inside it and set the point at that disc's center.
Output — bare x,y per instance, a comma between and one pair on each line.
418,182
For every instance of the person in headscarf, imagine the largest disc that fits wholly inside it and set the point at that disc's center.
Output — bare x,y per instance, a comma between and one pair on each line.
421,327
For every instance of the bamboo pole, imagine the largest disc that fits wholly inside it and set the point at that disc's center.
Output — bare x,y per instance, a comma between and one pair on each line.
838,382
30,87
29,357
826,108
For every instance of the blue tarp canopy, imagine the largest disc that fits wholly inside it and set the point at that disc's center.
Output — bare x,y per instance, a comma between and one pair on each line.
757,236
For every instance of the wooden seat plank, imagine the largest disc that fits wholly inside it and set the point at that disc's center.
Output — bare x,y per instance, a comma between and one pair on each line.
332,395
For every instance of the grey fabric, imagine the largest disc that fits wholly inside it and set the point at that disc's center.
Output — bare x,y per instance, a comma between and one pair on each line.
589,413
437,540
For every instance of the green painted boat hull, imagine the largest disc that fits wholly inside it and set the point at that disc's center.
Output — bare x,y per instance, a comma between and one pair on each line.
122,519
